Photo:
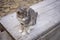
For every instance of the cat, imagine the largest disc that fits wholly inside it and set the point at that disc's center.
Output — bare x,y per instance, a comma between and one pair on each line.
27,18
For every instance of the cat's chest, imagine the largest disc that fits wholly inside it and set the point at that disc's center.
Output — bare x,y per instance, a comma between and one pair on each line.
24,20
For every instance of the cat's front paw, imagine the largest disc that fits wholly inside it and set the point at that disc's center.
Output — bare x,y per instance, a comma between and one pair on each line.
28,31
23,33
20,31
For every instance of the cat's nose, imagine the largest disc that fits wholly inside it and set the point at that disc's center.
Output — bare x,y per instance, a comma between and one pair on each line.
22,24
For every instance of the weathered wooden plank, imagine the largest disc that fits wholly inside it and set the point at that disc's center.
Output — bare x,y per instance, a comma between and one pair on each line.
10,23
48,15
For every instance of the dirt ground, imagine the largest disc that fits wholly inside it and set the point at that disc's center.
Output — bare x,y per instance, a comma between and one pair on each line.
7,6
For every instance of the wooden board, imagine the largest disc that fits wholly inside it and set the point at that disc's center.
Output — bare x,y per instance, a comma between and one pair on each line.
48,16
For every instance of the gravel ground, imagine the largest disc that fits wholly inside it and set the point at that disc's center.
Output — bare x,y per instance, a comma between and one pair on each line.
7,6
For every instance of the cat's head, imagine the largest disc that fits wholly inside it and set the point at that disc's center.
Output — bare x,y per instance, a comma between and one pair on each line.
22,12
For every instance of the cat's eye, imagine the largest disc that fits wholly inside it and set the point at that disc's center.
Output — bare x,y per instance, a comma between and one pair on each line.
18,13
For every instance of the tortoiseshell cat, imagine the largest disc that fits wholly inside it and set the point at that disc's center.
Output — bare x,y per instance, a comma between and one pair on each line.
27,18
